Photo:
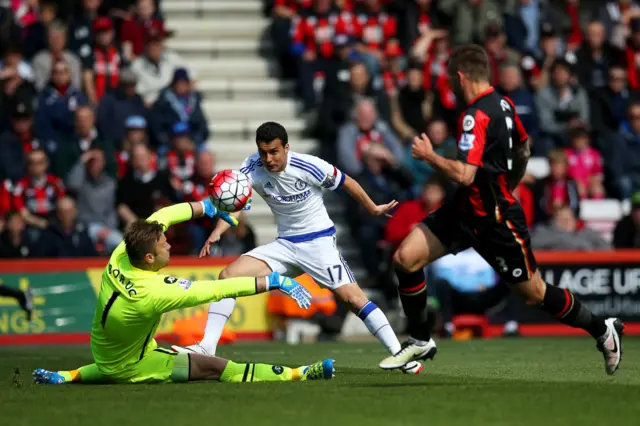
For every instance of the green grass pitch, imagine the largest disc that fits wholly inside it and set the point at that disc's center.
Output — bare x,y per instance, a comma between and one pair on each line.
494,382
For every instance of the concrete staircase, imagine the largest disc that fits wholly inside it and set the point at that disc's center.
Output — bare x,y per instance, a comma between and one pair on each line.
225,45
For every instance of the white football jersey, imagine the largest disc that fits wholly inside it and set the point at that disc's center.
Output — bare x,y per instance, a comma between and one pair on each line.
295,194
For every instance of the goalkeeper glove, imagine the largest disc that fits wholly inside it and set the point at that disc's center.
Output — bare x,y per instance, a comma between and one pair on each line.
211,211
291,288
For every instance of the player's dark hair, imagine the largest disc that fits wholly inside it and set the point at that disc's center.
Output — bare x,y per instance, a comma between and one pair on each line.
472,61
270,131
140,238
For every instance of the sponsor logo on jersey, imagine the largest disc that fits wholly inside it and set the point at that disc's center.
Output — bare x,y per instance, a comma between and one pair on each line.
268,185
277,369
466,142
468,122
185,284
297,198
300,184
170,280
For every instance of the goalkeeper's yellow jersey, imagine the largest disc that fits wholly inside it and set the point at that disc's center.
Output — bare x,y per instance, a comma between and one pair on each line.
132,300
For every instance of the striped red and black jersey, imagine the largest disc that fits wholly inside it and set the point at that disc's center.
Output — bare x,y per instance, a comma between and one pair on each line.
39,196
5,197
123,163
488,131
181,165
316,32
297,6
374,29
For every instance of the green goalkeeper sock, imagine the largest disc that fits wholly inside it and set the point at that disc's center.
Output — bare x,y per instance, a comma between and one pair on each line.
86,374
237,373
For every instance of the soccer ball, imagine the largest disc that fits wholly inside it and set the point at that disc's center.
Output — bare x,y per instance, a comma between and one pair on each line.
229,190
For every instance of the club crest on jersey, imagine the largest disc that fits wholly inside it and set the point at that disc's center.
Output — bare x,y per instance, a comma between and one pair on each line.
300,184
466,142
468,122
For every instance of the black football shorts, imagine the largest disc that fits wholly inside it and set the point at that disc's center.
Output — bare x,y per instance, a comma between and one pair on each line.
505,245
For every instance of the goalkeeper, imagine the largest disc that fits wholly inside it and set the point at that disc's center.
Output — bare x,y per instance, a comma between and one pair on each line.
134,295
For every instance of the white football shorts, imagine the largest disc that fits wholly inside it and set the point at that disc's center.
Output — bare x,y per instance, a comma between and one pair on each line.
319,258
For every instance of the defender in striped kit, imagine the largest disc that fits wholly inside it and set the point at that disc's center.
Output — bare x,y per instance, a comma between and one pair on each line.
292,185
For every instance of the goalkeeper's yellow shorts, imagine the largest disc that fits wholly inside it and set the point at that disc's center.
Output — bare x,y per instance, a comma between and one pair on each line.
158,366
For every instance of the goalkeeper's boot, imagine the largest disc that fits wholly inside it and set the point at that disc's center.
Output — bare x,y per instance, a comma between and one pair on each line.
46,377
412,350
610,344
319,371
191,349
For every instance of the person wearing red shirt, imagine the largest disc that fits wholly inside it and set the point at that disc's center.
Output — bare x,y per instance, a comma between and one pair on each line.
102,68
134,29
195,189
313,42
181,158
410,213
35,195
556,190
285,13
374,29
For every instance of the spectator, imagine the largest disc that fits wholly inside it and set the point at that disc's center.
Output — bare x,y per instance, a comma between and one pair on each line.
196,190
471,18
627,151
16,86
135,28
17,142
511,86
363,133
627,232
409,106
181,157
81,30
85,138
143,189
157,66
178,103
616,16
117,106
499,54
66,235
595,57
409,213
557,189
35,195
6,189
436,80
608,104
419,17
136,134
631,55
442,143
35,38
467,284
284,14
339,102
57,51
103,66
236,241
585,165
569,18
95,193
14,241
57,105
561,233
375,30
537,64
9,31
313,37
561,106
384,178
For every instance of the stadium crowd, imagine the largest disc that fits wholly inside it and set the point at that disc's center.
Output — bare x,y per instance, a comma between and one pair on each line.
99,124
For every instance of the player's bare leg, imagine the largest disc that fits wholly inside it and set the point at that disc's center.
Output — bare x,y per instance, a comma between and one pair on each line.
202,367
219,312
566,308
375,320
417,250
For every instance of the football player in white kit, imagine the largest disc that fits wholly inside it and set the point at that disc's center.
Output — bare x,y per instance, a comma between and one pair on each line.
292,185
